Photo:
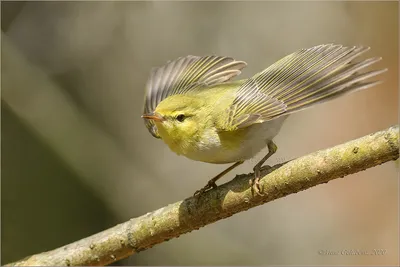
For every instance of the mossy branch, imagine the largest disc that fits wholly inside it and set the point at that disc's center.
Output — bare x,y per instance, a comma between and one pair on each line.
235,196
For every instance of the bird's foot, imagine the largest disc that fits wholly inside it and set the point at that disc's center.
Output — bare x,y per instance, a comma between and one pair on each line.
210,185
255,185
255,181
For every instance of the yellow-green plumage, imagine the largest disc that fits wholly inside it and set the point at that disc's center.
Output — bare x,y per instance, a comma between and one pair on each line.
202,136
194,107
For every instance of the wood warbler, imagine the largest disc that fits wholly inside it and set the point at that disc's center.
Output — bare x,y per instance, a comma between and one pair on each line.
194,107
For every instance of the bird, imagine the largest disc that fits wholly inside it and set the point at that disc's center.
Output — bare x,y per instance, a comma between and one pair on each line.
194,105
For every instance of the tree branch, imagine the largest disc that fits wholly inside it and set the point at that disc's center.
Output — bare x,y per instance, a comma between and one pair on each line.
235,196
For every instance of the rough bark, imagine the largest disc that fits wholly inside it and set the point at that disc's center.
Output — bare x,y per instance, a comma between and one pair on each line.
233,197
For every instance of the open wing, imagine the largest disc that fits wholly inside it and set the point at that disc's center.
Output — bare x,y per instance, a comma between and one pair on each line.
181,75
300,80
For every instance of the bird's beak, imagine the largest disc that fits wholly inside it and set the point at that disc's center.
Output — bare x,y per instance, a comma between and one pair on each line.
153,116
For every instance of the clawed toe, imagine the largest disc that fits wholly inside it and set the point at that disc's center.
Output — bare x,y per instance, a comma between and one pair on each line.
255,184
201,191
210,185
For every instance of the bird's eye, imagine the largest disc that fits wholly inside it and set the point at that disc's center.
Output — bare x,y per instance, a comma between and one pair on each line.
180,117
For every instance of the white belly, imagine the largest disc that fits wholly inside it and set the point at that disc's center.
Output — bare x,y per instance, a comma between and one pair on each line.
211,149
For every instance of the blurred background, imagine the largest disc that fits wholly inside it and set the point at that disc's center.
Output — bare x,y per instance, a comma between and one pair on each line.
77,158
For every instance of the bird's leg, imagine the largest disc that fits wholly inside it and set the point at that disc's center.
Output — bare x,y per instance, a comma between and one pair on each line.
255,182
212,184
